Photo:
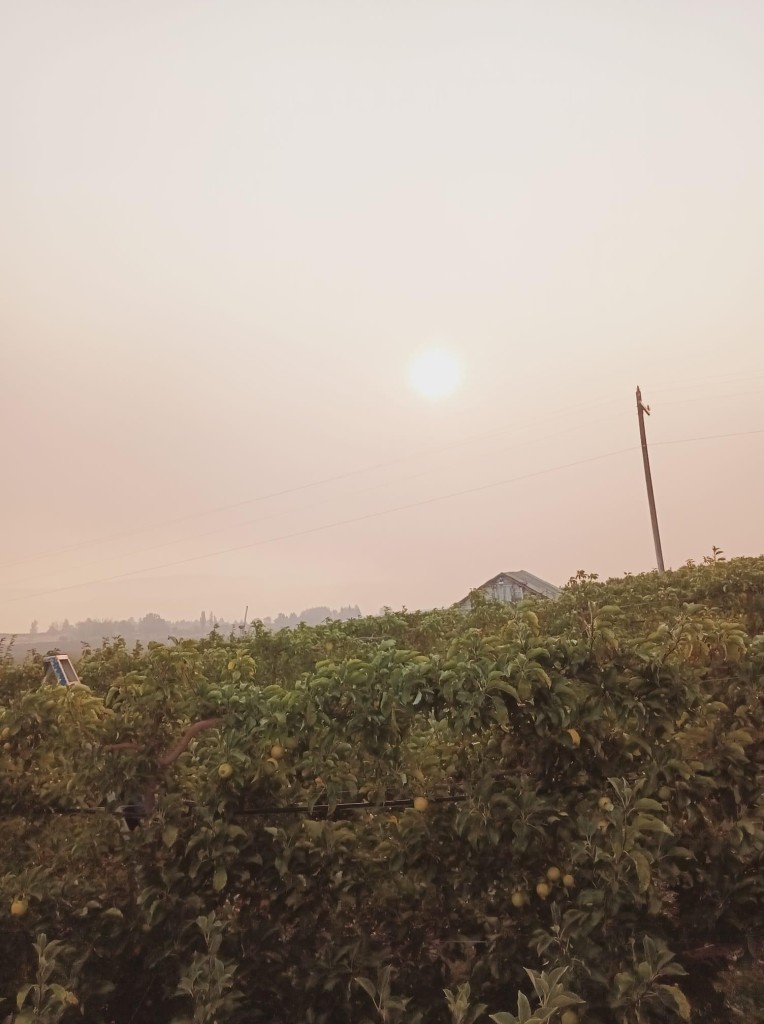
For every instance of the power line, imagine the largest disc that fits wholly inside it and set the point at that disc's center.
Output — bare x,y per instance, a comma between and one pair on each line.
335,479
710,398
314,529
327,501
685,385
709,437
368,516
302,487
250,522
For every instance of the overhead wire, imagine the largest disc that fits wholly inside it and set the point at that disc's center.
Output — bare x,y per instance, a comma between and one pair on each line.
708,437
710,398
326,480
683,384
336,478
372,515
327,501
333,498
311,530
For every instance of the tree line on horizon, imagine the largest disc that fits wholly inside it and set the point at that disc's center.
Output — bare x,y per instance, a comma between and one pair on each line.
154,627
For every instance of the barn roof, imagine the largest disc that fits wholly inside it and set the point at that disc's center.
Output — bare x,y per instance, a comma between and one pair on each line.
525,579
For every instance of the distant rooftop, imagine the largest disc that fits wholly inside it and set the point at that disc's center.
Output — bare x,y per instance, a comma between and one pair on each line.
514,586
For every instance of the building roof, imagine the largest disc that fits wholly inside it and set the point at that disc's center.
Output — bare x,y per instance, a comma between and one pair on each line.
524,579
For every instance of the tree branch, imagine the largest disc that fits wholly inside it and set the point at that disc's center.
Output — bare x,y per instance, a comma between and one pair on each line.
168,758
174,753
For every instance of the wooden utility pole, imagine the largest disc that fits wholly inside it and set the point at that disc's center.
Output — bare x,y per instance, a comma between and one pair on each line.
641,410
243,626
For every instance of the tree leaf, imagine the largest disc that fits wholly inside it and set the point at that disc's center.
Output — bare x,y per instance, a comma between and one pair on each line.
682,851
623,981
524,1011
642,864
646,804
649,823
169,835
220,878
679,1000
22,995
368,986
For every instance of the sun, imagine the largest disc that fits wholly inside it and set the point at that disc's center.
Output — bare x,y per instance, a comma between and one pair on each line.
435,374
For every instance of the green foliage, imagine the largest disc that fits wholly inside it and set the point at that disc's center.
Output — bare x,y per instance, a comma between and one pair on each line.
594,822
47,1000
208,981
552,997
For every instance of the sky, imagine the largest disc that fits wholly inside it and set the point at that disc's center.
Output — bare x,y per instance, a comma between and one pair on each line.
228,228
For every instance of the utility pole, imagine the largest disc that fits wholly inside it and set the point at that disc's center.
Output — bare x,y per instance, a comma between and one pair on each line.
243,626
641,410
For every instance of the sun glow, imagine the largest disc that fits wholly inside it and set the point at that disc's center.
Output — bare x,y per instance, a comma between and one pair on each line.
435,374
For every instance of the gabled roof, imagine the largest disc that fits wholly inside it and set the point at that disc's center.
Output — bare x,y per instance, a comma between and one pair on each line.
524,579
534,583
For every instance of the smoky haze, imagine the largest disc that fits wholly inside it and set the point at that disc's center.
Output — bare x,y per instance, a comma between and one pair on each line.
228,229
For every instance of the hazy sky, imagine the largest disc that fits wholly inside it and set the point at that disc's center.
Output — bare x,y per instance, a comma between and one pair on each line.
228,228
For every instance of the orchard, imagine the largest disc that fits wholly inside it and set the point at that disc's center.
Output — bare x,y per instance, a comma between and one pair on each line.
544,812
